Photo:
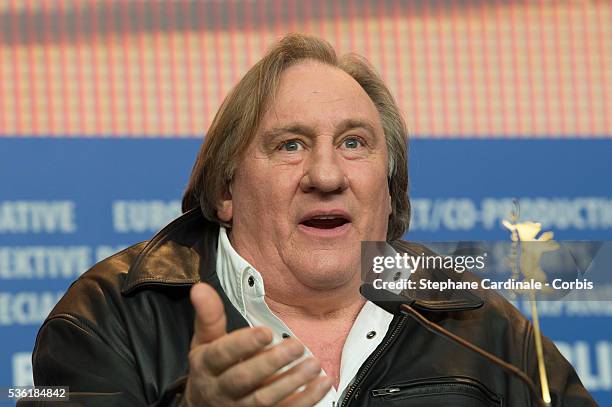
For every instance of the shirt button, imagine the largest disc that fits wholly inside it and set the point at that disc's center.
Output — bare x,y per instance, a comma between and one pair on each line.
371,334
251,281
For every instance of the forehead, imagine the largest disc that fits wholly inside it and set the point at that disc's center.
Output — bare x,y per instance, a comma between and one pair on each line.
317,94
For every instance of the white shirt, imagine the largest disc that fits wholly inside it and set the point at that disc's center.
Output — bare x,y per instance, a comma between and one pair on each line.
249,299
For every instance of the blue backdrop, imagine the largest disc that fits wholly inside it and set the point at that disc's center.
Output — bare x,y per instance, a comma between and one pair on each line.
67,203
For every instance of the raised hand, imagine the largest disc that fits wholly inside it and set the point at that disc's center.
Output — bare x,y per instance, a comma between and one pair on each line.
242,368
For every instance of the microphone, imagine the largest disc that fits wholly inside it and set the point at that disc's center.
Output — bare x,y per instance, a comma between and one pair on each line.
402,305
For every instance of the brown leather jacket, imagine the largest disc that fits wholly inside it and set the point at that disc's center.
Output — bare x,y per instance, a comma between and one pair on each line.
120,337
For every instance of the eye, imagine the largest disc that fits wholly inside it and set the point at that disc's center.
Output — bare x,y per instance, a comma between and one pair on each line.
352,143
291,145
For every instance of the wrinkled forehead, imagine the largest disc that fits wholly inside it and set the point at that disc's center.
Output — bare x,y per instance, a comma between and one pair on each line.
318,94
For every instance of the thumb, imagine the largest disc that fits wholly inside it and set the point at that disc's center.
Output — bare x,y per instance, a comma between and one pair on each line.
210,321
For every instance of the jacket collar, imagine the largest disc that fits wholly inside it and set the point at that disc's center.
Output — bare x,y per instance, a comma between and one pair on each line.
181,254
185,252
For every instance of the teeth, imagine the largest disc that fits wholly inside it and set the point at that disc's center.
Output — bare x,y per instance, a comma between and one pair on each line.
325,217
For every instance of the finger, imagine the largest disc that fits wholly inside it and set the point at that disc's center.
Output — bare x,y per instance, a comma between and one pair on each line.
310,396
281,374
245,377
239,345
210,321
284,384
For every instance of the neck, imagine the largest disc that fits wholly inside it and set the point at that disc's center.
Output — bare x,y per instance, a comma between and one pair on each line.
306,304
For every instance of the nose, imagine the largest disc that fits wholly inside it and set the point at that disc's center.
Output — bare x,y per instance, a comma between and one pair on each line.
323,171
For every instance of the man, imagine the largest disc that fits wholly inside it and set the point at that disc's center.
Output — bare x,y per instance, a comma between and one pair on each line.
251,297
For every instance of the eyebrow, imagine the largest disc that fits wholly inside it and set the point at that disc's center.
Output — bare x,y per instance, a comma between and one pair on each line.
298,128
350,124
294,128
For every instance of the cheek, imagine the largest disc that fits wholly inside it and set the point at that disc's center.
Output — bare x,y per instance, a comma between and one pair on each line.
248,198
372,190
372,183
262,192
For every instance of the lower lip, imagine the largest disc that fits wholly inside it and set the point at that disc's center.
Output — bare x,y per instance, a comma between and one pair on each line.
325,233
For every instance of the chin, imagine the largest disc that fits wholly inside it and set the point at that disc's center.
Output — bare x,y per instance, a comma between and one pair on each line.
324,273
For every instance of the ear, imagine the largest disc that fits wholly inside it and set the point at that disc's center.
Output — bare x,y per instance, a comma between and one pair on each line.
225,210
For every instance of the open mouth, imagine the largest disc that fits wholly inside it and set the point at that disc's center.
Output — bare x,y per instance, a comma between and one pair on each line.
325,221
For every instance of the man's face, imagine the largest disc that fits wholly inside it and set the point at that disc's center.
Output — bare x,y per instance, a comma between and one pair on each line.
313,182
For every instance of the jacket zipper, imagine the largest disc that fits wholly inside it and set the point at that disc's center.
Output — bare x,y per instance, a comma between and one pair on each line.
363,372
385,392
468,386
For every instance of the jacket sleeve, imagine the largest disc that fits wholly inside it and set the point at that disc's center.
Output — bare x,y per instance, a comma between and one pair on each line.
565,386
69,353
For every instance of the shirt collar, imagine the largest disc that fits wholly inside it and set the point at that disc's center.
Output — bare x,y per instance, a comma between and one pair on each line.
234,272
